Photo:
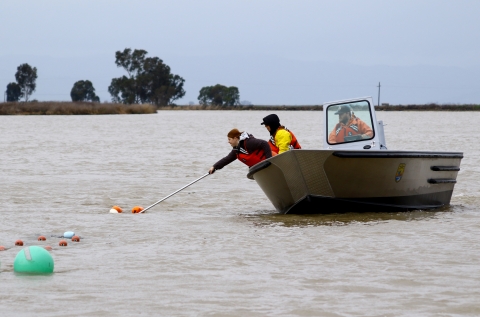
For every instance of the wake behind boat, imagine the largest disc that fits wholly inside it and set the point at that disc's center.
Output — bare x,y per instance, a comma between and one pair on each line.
355,171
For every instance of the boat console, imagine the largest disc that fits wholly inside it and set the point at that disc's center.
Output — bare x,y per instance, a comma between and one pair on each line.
352,125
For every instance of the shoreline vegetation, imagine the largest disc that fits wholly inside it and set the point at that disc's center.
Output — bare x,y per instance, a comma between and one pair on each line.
73,108
383,107
91,108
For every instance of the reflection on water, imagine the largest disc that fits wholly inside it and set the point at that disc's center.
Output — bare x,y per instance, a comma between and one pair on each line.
261,218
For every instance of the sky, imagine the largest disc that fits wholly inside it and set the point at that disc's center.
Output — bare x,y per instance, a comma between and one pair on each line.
277,52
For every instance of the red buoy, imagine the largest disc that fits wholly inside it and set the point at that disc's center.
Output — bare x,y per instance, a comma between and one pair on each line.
2,248
42,238
62,243
76,239
19,243
136,209
48,248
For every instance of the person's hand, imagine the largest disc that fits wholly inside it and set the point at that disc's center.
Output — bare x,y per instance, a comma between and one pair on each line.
211,170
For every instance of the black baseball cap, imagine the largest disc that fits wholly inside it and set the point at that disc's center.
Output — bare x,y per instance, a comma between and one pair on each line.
271,120
344,109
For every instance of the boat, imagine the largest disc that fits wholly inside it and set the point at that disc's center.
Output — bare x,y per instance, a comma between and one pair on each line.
355,172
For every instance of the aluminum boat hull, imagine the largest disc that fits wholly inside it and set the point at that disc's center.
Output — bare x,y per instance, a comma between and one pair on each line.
337,181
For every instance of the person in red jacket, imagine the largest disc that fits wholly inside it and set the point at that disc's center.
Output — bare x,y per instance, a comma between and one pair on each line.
246,148
348,125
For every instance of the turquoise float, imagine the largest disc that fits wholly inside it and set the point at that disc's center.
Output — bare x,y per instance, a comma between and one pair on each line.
33,260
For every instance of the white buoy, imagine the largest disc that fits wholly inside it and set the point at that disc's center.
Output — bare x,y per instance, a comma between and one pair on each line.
68,234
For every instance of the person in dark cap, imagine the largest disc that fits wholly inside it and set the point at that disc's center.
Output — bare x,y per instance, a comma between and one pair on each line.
281,139
246,148
348,125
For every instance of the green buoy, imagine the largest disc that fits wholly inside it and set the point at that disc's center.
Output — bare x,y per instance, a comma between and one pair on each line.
33,260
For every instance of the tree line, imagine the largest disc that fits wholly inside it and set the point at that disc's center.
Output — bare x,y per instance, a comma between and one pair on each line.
147,80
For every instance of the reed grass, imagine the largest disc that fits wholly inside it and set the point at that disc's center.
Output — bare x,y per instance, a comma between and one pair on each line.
72,108
89,108
429,107
425,107
266,107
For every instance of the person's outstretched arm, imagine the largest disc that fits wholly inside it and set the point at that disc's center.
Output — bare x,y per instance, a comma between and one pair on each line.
232,156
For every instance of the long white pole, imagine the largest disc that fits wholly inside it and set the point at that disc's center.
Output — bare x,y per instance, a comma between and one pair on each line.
153,205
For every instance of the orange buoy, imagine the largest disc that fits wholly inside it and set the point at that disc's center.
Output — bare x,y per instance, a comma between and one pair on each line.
48,248
116,210
42,238
62,243
136,209
76,239
2,248
19,243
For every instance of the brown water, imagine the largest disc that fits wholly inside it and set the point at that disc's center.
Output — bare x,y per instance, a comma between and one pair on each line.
219,248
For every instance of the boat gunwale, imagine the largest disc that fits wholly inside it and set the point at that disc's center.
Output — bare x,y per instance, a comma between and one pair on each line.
367,154
397,154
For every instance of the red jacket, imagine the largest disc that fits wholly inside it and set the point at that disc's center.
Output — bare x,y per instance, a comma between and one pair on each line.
249,151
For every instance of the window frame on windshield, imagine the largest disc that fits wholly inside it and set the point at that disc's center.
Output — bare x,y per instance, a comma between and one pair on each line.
371,125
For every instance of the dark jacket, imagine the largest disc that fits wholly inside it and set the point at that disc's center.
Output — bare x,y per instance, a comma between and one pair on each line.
253,145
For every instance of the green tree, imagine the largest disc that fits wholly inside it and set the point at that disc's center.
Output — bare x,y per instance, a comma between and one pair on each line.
219,95
149,80
132,62
83,90
123,90
26,77
14,93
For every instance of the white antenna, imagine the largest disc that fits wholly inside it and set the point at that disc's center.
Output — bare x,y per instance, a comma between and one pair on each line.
379,94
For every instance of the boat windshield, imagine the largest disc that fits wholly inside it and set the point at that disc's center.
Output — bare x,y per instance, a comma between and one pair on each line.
349,122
